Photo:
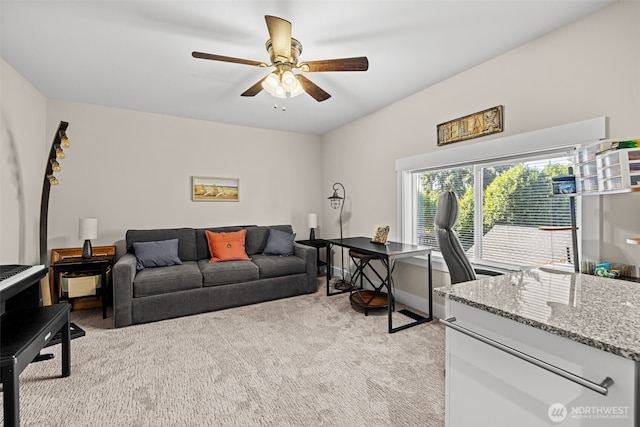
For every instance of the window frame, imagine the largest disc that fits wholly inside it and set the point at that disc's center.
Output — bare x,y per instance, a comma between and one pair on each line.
477,170
530,144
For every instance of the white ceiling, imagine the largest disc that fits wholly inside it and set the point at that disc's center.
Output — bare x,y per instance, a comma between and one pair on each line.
137,54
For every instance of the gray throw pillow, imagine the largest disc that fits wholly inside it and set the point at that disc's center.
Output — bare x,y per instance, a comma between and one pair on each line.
279,243
156,254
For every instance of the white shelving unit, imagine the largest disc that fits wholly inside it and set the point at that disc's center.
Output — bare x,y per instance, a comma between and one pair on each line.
586,170
619,169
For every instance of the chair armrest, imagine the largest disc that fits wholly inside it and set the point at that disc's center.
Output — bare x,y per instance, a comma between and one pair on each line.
124,272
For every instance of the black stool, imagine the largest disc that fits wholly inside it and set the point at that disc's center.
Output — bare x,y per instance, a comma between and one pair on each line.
366,299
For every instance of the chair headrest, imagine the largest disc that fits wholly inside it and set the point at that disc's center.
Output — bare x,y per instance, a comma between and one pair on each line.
447,210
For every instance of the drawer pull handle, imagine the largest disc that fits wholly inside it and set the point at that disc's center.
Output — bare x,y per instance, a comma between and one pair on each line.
602,388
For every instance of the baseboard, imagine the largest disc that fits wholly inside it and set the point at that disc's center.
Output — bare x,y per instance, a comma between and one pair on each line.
419,303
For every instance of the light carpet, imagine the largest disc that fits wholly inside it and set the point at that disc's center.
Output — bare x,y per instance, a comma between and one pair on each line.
310,360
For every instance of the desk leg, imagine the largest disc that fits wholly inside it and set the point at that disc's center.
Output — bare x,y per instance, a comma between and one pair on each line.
66,348
11,395
418,319
328,268
430,274
390,298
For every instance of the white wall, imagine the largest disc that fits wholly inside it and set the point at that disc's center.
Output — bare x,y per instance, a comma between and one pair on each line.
585,70
133,170
23,153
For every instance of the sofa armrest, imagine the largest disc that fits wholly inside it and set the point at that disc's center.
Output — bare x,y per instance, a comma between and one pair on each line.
124,271
310,257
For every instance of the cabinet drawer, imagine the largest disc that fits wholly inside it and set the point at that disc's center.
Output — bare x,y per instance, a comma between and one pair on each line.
612,184
609,160
587,169
587,184
611,171
634,155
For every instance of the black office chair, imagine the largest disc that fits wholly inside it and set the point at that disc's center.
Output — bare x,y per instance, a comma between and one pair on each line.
460,268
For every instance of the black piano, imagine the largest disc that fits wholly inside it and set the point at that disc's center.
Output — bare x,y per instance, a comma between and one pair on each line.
26,328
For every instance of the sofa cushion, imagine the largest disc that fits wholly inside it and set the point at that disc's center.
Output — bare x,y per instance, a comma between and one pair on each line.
156,254
256,239
186,240
227,246
222,273
279,243
202,245
284,227
162,280
276,266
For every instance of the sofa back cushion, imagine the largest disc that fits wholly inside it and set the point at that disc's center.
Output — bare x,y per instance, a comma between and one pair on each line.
202,244
256,239
186,240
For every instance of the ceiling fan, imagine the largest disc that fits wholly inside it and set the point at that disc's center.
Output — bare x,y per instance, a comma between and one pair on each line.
284,51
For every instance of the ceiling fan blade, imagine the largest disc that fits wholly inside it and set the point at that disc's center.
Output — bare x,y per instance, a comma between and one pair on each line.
253,90
227,59
280,33
360,63
312,89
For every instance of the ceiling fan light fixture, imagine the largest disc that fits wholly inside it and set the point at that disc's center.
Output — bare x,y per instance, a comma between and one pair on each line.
272,81
296,90
288,80
280,92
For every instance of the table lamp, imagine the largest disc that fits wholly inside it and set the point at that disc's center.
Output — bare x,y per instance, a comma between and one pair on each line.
87,230
312,221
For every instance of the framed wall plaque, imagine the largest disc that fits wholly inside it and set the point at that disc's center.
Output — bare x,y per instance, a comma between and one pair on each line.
474,125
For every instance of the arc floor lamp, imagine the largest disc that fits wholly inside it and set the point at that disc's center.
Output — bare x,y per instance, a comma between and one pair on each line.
338,202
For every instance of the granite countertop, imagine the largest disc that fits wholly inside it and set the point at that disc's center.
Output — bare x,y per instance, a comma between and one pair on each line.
599,312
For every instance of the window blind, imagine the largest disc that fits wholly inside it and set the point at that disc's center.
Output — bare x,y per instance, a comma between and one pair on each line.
513,198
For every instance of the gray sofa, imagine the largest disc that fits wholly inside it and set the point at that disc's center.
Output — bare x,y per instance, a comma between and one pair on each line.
198,286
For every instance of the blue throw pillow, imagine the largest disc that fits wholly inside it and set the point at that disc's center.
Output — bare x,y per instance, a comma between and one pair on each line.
279,243
156,254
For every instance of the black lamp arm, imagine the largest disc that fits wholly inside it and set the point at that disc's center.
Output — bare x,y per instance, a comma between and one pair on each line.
46,189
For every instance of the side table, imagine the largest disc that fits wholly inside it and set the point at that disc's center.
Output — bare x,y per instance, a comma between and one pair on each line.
319,244
99,264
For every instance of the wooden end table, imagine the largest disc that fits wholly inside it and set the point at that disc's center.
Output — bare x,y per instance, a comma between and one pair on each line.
98,264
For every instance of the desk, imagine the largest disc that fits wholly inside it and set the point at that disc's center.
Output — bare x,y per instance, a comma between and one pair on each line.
388,253
96,264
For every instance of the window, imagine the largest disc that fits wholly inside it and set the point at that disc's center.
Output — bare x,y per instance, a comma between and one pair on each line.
502,206
504,186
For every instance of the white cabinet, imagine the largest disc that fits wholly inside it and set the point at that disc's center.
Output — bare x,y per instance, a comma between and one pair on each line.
486,386
619,169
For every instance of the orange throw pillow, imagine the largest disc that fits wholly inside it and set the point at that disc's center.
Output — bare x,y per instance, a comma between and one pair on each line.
227,246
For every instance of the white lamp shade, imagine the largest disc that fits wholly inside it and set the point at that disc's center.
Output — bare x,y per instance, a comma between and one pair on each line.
88,228
312,220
